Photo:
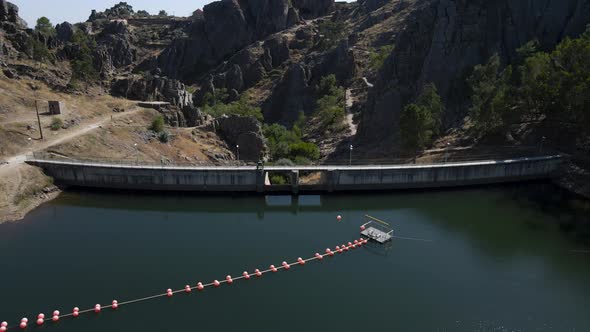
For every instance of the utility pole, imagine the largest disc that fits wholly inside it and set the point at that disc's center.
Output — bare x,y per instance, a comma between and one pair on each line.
38,118
36,103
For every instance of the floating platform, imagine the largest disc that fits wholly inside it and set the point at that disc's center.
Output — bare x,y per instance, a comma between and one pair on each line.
377,235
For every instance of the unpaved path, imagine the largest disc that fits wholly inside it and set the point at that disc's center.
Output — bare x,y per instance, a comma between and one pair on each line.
19,159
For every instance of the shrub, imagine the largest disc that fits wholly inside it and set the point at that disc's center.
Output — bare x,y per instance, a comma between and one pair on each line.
331,33
164,137
285,144
304,150
215,106
56,124
378,57
157,124
279,179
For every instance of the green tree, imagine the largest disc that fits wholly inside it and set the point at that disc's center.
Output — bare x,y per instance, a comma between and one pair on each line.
157,124
163,13
45,27
82,62
430,100
415,127
490,87
421,121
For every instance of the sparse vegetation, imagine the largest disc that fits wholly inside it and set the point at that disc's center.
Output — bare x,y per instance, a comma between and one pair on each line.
216,106
330,34
378,57
330,106
56,124
158,124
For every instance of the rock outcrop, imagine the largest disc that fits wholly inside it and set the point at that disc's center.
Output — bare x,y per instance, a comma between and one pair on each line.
244,132
9,15
64,32
225,27
152,88
114,48
313,8
443,39
290,97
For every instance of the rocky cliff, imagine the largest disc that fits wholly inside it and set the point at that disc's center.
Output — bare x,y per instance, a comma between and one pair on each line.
441,40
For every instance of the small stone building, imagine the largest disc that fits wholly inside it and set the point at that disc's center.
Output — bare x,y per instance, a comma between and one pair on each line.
57,107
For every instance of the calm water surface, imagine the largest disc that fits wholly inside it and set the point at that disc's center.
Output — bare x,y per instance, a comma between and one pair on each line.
500,260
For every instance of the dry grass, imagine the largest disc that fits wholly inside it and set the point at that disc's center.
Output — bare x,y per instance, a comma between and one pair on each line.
18,120
117,141
21,190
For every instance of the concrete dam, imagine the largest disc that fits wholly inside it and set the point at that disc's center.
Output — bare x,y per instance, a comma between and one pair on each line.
300,178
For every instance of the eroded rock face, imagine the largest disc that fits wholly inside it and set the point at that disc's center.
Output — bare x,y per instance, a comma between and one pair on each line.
114,48
226,27
290,97
313,8
9,14
152,88
244,132
444,39
64,31
340,62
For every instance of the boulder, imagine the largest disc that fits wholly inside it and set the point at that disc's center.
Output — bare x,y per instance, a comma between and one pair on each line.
64,31
10,73
244,132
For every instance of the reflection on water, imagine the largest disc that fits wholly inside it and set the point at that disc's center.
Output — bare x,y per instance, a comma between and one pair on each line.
501,259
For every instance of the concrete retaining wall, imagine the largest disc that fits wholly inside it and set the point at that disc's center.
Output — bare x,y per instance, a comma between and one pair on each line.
336,178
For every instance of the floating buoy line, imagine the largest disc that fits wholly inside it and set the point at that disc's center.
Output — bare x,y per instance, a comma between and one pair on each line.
76,312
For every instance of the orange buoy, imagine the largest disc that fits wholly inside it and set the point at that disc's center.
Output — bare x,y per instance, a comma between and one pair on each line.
286,265
273,268
23,325
200,286
26,320
2,328
318,256
229,280
115,305
246,275
55,318
339,218
300,261
4,324
216,283
169,292
97,308
187,289
363,228
40,321
258,273
331,253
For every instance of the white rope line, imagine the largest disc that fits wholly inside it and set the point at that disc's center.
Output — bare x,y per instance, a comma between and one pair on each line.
342,249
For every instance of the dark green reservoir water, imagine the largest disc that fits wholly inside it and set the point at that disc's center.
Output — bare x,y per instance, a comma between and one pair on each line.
501,259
